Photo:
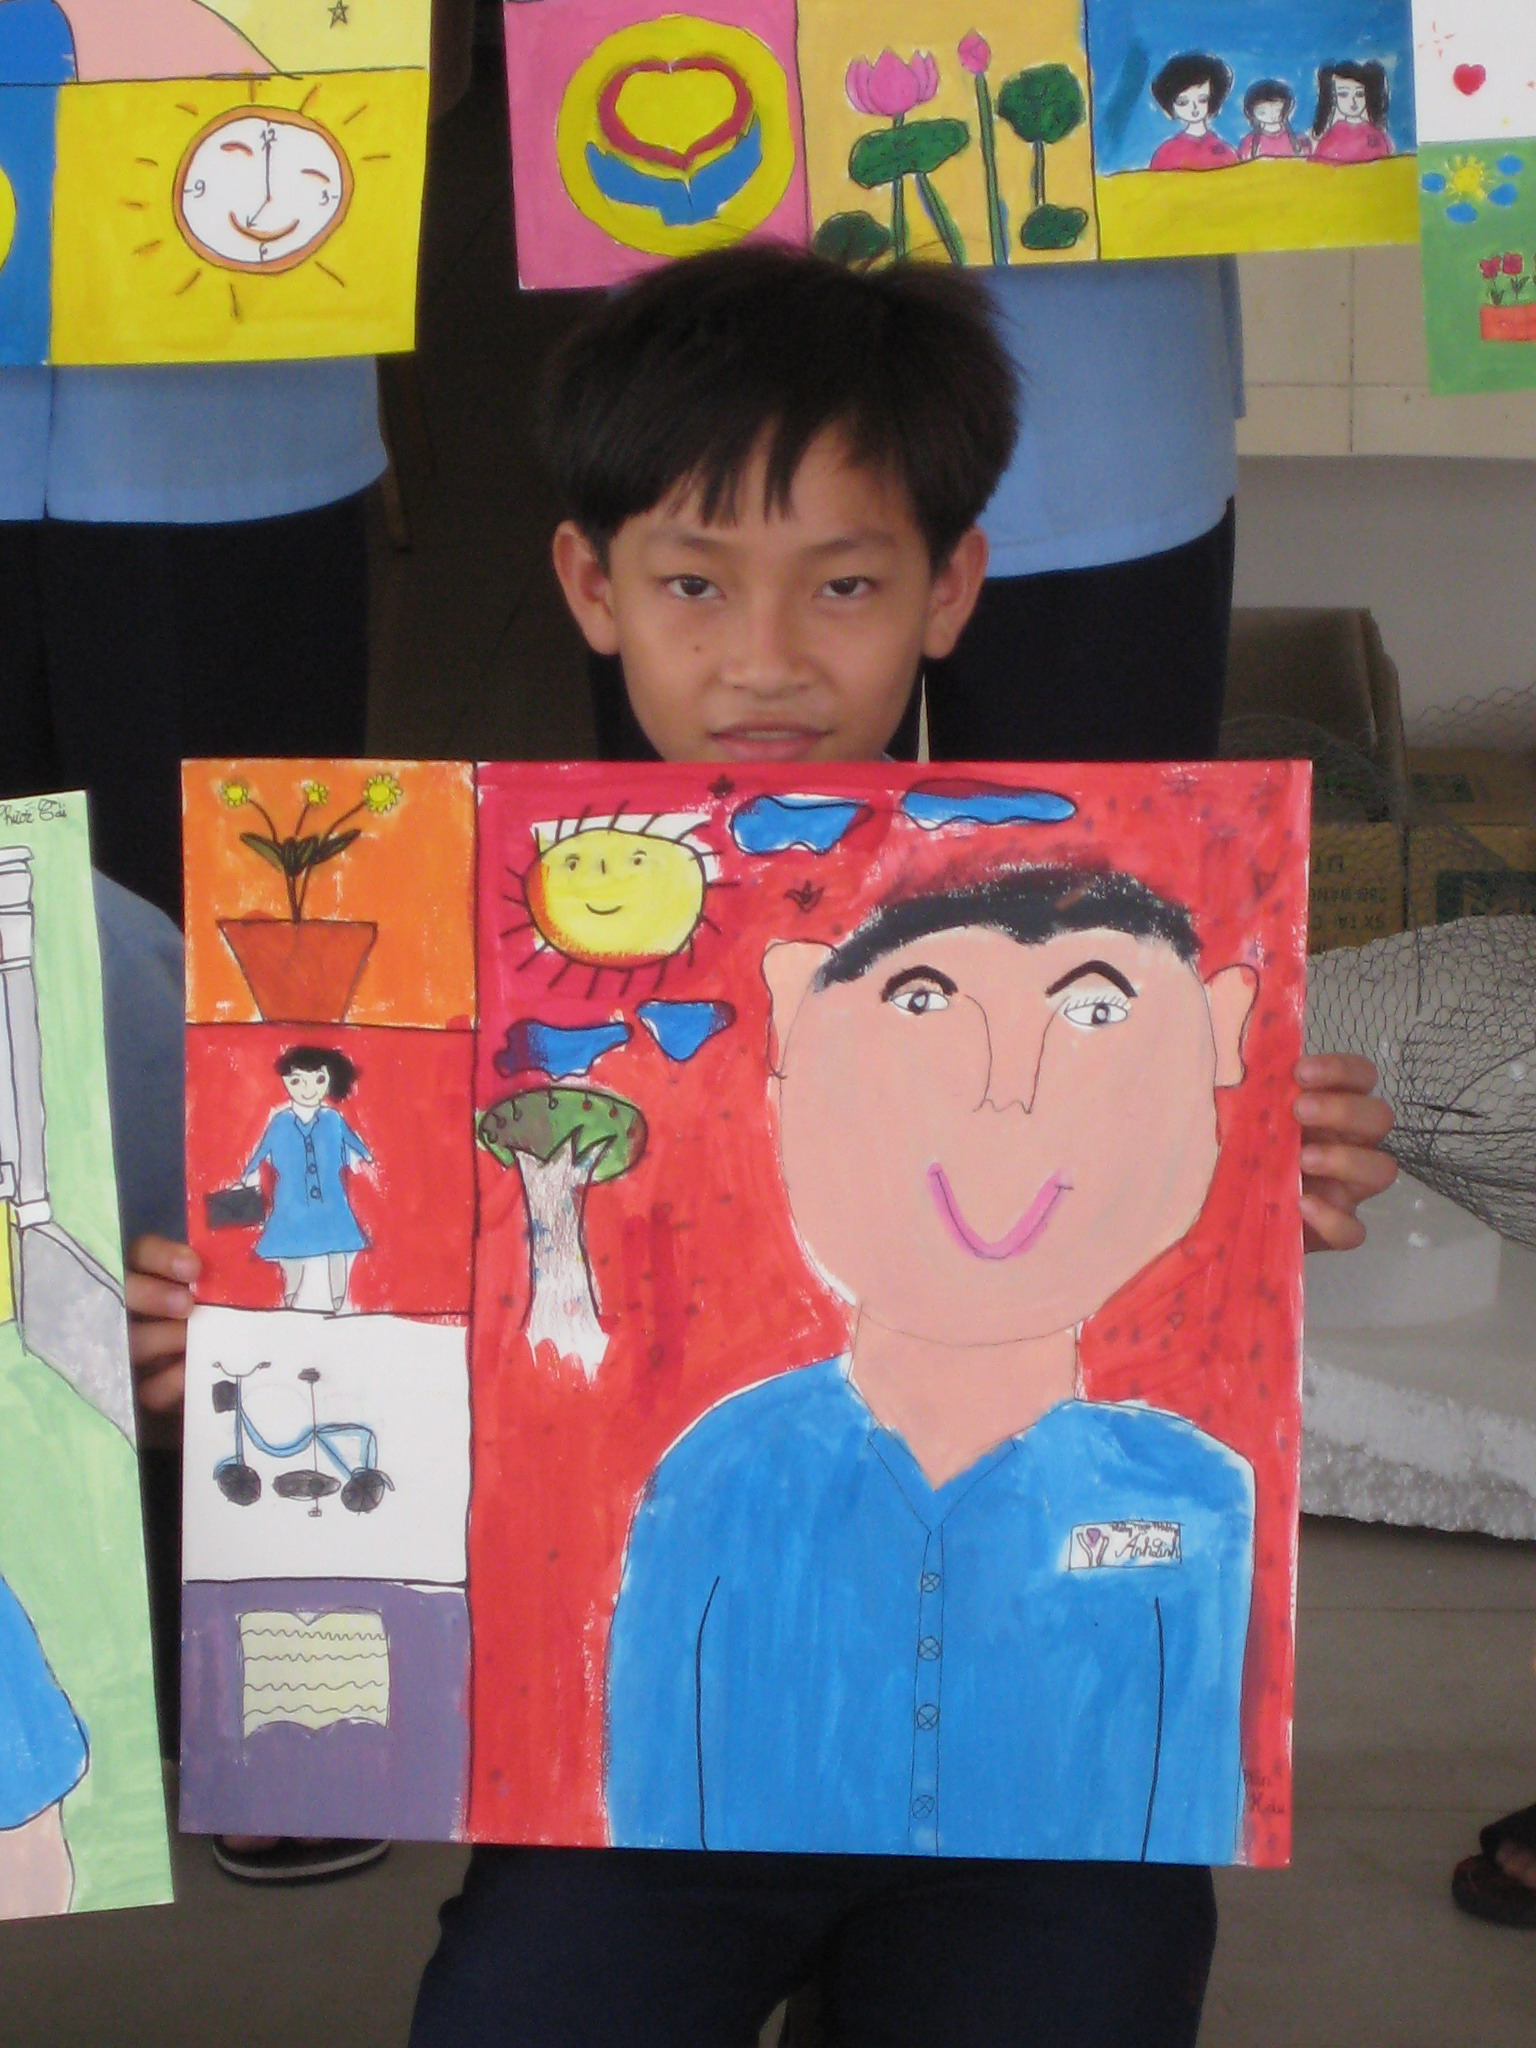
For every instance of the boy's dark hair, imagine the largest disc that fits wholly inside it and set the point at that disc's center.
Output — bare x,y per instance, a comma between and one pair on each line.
1265,90
340,1074
1029,905
1180,73
675,381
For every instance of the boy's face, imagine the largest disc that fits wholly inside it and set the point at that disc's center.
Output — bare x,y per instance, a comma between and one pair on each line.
784,636
983,1141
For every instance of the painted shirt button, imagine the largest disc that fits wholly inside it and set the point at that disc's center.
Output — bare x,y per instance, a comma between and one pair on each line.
930,1582
922,1806
928,1648
927,1717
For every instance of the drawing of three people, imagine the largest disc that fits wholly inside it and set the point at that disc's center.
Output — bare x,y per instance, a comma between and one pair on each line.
1349,127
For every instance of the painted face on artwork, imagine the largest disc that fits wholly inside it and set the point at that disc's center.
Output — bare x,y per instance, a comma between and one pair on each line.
1269,115
982,1141
1193,105
307,1086
1349,98
616,898
784,634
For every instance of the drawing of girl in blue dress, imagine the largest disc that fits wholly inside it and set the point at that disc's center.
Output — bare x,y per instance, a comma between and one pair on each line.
310,1231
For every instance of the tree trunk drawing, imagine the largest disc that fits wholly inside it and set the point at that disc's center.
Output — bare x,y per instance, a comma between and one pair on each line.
562,1308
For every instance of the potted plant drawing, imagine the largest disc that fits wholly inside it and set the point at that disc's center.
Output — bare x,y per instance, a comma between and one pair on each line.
892,88
303,970
563,1141
1507,314
1043,106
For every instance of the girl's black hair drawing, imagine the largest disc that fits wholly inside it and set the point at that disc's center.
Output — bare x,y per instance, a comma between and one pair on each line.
1180,73
1264,91
340,1074
1372,76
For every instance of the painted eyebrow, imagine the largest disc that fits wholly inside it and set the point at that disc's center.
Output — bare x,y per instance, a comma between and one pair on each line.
1099,967
910,974
236,148
324,176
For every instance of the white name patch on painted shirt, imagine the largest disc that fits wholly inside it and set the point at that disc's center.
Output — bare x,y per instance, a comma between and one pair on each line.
1097,1546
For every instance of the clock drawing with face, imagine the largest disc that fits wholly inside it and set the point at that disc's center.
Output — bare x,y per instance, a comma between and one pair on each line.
262,189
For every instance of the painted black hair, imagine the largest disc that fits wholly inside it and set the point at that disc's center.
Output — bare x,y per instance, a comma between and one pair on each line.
1180,73
1372,76
340,1074
1029,905
676,380
1263,90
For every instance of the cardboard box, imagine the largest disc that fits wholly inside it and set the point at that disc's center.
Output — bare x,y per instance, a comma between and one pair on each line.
1321,683
1472,846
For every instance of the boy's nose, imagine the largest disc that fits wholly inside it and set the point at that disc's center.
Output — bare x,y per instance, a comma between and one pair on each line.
766,655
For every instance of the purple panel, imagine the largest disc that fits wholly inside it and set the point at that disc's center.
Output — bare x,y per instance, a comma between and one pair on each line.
406,1781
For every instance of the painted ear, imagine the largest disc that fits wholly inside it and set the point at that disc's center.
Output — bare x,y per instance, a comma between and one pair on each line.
789,968
1231,994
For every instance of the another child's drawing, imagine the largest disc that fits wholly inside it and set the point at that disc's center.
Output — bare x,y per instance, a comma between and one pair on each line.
920,128
1476,73
310,1231
81,1814
209,180
884,1220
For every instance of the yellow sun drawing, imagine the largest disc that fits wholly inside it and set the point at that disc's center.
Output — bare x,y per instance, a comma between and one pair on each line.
615,893
1466,178
205,220
7,216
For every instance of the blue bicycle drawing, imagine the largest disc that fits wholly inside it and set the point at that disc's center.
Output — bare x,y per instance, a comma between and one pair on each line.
361,1484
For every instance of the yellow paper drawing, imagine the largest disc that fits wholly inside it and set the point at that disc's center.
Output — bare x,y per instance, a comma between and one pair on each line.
332,35
313,1670
238,219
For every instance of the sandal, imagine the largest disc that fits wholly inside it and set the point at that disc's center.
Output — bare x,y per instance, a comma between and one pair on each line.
1481,1888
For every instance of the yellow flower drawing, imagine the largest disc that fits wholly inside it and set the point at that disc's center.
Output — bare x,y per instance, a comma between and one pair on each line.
381,793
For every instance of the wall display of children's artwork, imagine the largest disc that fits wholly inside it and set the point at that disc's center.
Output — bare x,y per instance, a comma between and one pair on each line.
209,180
790,1341
1476,62
82,1818
1062,130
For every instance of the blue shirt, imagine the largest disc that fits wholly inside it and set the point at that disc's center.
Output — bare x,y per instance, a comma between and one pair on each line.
186,444
42,1744
311,1215
1131,379
813,1649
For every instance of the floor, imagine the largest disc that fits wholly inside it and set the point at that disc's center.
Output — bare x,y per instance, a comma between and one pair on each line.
1416,1716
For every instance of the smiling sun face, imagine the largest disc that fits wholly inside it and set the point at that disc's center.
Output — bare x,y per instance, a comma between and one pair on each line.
619,893
261,189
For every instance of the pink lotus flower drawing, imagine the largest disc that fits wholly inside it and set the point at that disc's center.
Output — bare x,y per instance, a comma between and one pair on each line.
889,87
975,53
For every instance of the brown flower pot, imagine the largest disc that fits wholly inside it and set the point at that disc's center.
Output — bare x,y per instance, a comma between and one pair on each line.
1510,323
300,973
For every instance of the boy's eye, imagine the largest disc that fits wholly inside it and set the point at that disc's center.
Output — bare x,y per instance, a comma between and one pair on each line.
848,586
690,586
1091,1012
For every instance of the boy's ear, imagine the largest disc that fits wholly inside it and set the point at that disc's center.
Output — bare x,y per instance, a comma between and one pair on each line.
956,587
587,585
1231,994
789,968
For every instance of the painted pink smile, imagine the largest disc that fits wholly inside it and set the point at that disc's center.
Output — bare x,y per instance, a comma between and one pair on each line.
1023,1233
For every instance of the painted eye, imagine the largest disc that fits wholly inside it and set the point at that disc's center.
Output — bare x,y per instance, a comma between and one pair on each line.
572,863
637,860
1093,1012
920,1001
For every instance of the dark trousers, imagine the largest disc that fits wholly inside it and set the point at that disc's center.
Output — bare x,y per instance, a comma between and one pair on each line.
582,1948
1122,663
124,648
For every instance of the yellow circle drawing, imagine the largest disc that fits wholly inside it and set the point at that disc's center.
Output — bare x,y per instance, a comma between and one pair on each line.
606,897
261,188
676,135
7,216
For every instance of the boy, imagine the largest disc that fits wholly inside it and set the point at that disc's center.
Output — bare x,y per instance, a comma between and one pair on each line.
775,470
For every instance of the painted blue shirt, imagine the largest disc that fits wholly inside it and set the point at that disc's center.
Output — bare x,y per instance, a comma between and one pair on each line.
1131,377
310,1211
813,1649
42,1744
37,46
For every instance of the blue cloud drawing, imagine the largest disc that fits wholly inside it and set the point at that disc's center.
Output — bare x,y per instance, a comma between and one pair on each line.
775,824
680,1029
952,801
557,1050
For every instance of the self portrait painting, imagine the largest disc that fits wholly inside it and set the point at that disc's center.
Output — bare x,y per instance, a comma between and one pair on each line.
885,1335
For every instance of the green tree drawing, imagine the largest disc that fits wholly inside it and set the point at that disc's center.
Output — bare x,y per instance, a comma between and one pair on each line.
1043,106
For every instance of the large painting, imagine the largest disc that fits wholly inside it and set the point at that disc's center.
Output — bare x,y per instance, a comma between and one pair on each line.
794,1346
1057,131
82,1820
231,181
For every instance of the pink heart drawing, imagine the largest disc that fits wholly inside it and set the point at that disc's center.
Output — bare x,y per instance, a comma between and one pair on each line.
1469,78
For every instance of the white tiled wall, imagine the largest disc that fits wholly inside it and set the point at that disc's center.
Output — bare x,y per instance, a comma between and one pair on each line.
1336,365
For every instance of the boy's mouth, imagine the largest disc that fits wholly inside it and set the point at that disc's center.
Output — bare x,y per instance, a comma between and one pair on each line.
1023,1233
768,742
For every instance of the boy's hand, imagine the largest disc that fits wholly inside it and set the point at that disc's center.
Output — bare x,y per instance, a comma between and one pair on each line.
1342,1163
158,1291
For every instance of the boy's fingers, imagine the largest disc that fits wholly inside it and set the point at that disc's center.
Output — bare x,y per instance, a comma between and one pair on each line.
163,1392
1349,1071
164,1258
150,1343
1329,1226
146,1296
1362,1119
1356,1171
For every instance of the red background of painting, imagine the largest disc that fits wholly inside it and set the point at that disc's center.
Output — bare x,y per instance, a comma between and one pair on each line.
411,1108
703,1286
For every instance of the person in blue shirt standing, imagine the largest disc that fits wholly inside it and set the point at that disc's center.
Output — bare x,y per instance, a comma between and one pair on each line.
996,1106
311,1232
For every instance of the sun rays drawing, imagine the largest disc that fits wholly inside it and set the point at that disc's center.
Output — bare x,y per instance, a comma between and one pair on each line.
617,893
